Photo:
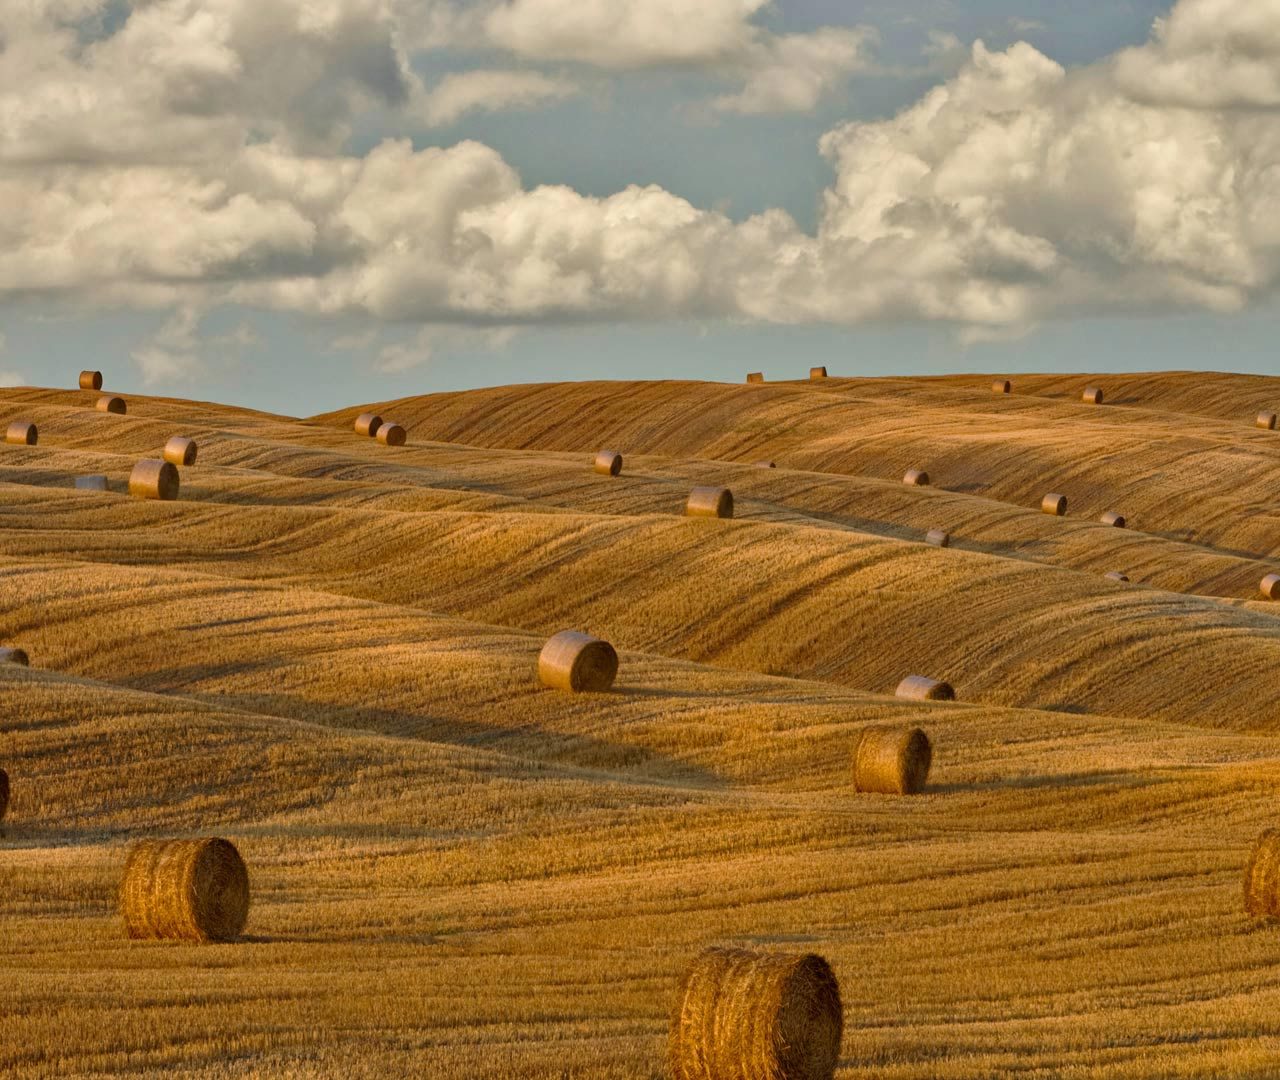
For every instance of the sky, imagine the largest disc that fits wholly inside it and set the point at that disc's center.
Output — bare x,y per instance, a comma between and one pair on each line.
305,204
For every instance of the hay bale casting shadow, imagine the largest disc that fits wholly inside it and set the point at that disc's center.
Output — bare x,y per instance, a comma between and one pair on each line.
188,890
713,502
13,655
608,463
21,433
923,688
892,761
367,423
578,663
180,450
153,479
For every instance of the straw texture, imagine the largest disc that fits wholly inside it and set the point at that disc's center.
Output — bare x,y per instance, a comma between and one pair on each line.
817,373
1002,386
12,655
367,424
938,538
190,890
1271,586
390,434
749,1015
110,404
923,688
153,479
608,463
91,483
578,663
21,433
891,760
710,502
1054,504
1262,878
916,478
1266,421
1116,575
91,380
1092,396
1113,519
755,376
180,450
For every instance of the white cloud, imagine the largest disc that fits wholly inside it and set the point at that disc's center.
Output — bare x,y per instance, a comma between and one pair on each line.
488,91
178,353
12,378
793,72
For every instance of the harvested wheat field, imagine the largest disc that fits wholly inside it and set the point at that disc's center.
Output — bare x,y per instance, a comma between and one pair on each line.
321,660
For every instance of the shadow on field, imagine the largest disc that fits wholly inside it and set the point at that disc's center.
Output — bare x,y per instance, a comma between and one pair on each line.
1052,780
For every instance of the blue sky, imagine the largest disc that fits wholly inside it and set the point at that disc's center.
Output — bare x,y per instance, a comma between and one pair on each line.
165,252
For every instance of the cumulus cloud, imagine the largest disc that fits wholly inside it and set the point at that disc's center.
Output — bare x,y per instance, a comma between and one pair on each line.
793,72
487,91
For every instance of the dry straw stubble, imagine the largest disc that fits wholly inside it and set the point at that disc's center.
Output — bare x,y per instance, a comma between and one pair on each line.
21,433
745,1014
1262,878
923,688
152,479
367,424
180,450
91,380
892,760
713,502
390,434
1054,504
4,793
189,890
578,663
608,463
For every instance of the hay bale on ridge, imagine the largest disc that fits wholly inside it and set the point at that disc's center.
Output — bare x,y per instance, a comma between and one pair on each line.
578,663
1271,586
923,688
891,760
766,465
755,376
390,434
152,479
746,1014
916,478
13,655
188,890
21,433
1266,421
817,373
938,538
1116,521
109,403
367,424
716,502
1116,575
91,380
1054,504
1002,386
1092,395
608,463
180,450
91,483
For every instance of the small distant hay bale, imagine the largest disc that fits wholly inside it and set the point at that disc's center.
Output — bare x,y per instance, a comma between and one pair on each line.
1116,575
766,465
745,1014
109,403
608,463
1116,521
891,760
1266,421
188,890
1054,504
817,373
938,538
180,450
152,479
21,433
1092,395
91,380
1002,386
12,655
4,793
755,376
578,663
367,424
91,483
916,478
1271,586
716,502
390,434
1262,878
923,688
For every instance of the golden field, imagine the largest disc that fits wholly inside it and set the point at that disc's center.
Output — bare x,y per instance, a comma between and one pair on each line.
325,652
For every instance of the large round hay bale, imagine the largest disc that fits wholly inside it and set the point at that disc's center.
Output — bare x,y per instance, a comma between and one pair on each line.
938,538
1271,586
4,793
817,373
1054,504
1092,395
891,760
755,376
367,424
91,483
91,380
577,662
180,450
1116,575
153,479
10,654
916,478
716,502
1262,878
744,1014
108,403
1002,386
21,433
390,434
923,688
1116,521
608,463
1266,421
191,890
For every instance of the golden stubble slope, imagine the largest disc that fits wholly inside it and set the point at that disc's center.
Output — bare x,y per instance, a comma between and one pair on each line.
325,652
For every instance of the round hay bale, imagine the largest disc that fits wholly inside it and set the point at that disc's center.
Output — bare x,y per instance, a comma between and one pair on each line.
608,463
180,450
1054,504
766,465
1116,521
817,373
1271,586
1092,395
1002,386
21,433
1262,878
938,538
111,404
755,376
716,502
190,890
91,380
1116,575
4,793
743,1014
916,478
390,434
367,424
1266,421
891,760
153,479
13,655
91,483
923,688
577,662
